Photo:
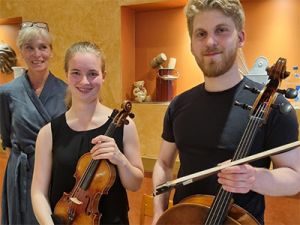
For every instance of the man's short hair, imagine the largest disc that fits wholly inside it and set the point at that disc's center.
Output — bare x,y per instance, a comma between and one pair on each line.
231,8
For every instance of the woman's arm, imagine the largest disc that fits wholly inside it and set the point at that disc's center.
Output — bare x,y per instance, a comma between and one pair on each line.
131,168
42,175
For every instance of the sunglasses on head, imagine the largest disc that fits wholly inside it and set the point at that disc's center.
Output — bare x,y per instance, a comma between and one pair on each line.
35,24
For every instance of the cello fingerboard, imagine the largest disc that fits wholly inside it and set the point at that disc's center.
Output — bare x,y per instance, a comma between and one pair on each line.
219,208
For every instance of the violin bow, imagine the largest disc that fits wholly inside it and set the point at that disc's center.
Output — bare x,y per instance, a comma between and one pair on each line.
182,181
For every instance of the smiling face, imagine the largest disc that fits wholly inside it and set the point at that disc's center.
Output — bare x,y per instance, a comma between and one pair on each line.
36,53
215,42
85,76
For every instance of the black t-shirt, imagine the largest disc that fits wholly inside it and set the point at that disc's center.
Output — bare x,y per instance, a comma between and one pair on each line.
68,146
207,128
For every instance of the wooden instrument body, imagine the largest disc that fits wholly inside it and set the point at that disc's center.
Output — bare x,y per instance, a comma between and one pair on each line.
193,210
85,210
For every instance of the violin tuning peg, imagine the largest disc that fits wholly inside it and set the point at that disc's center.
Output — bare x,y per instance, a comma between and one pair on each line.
253,90
131,115
243,105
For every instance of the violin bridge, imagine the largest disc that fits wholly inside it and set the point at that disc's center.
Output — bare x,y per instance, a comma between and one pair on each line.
76,201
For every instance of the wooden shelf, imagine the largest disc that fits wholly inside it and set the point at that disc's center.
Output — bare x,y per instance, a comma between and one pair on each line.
8,21
146,5
151,102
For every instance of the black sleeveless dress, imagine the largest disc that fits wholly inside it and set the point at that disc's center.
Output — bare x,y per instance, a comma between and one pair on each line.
68,146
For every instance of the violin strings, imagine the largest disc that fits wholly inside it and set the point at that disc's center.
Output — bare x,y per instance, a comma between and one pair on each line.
109,132
223,196
93,163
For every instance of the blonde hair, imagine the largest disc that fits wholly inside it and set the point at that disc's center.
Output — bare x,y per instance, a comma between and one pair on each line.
81,47
84,47
231,8
29,33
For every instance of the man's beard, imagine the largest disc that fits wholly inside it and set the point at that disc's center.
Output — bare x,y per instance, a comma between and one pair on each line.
216,68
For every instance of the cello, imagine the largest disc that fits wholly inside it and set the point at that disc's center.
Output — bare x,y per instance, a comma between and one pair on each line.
93,179
220,209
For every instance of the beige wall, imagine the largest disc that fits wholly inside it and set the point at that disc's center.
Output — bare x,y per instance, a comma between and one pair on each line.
75,20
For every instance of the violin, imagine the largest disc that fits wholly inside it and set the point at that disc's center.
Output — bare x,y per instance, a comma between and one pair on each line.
220,209
93,179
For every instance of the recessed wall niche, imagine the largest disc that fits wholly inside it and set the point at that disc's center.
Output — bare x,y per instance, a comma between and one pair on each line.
148,29
9,28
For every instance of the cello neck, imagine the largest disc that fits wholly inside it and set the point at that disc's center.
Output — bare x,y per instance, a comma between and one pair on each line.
219,208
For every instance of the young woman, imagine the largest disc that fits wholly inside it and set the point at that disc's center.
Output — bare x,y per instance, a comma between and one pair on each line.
80,130
27,104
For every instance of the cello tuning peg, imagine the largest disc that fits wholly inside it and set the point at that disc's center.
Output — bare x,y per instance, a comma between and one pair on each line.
283,108
290,93
252,89
243,105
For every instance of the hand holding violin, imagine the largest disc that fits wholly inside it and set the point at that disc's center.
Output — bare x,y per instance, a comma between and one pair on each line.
106,148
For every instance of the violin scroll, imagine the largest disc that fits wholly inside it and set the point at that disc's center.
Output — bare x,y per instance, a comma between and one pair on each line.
120,118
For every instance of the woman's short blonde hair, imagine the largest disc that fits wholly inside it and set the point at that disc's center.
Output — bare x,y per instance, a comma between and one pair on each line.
29,33
231,8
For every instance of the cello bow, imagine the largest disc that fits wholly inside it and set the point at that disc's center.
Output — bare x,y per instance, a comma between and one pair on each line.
185,180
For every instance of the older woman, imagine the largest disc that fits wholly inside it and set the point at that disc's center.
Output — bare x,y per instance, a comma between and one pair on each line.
27,103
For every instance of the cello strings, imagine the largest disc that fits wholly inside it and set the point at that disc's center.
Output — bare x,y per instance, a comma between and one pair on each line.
222,205
223,196
258,118
255,123
241,154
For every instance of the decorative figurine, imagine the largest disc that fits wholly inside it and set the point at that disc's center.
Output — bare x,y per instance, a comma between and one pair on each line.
139,91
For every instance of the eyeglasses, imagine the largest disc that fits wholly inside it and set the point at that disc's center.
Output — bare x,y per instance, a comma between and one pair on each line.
35,24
